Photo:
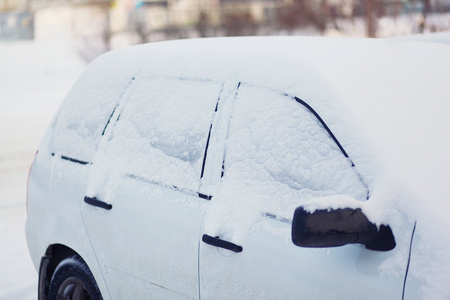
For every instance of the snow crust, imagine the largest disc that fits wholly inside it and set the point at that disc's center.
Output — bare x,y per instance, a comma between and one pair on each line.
387,102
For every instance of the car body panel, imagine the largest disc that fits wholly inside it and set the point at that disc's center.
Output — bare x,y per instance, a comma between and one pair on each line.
271,267
56,217
141,251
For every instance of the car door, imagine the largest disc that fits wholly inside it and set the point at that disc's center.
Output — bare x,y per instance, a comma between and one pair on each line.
279,154
143,211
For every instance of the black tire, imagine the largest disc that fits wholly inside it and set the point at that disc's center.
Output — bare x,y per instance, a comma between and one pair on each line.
72,279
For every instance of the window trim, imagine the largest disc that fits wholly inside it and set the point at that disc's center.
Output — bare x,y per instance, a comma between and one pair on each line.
81,162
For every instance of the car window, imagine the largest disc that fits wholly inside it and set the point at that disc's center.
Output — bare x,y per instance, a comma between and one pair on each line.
280,154
83,117
163,129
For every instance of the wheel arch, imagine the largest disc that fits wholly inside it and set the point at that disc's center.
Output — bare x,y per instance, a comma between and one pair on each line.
54,254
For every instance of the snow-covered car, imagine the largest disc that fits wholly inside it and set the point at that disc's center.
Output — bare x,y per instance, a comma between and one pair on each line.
248,168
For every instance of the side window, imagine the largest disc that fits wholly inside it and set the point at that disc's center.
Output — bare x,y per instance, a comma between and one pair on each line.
83,117
281,155
162,131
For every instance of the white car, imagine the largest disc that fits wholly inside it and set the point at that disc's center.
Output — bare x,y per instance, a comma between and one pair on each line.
248,168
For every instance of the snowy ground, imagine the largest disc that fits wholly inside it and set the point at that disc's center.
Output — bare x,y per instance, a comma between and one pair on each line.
34,78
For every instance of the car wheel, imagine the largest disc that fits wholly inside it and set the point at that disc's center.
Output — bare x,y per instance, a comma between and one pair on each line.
73,280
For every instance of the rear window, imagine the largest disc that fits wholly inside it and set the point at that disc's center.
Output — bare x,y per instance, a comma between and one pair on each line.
83,117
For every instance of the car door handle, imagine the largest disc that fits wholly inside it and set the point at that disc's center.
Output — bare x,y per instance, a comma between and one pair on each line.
95,202
215,241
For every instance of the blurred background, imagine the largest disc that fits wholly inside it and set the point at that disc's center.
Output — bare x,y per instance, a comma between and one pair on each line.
100,25
46,44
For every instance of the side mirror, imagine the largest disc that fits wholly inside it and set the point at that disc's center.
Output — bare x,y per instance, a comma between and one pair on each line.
339,227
